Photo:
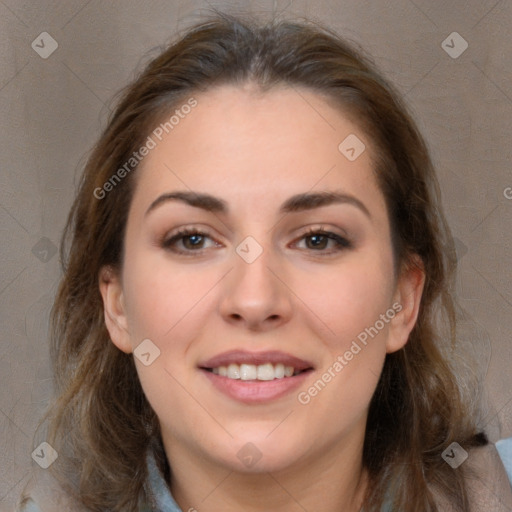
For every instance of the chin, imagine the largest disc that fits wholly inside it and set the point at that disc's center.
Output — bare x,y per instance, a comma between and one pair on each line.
261,453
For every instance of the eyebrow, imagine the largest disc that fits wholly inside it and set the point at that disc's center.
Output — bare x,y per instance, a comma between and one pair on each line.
296,203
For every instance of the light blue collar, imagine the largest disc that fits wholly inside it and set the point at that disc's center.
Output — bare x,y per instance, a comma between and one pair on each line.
158,489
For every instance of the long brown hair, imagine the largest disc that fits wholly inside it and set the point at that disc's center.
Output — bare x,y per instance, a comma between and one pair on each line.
101,423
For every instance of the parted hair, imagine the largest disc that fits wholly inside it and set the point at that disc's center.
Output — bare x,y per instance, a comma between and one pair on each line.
100,421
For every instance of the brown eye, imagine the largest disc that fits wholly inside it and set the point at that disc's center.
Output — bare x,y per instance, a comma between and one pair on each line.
194,241
318,240
191,240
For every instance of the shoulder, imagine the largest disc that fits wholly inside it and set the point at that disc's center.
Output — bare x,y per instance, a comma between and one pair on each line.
43,494
487,482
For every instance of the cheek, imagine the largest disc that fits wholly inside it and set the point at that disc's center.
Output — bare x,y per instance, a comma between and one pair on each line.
348,299
161,298
163,304
354,305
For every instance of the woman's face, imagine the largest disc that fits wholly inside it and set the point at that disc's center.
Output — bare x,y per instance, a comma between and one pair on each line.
254,287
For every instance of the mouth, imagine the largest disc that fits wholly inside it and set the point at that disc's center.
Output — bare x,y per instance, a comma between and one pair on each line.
262,372
255,377
244,365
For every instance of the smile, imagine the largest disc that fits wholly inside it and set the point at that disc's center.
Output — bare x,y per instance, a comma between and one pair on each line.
267,371
255,377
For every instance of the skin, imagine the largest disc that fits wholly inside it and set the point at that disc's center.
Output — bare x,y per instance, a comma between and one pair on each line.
254,151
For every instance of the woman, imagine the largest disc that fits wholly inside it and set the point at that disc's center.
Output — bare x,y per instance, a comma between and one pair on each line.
251,312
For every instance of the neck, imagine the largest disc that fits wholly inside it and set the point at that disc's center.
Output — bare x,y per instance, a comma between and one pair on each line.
335,480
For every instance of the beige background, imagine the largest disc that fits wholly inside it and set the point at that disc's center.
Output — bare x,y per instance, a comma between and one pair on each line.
51,111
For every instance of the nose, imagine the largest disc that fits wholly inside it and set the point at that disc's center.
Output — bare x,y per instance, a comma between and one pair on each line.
256,295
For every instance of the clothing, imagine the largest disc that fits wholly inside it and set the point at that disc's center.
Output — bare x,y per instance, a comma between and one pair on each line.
504,447
162,500
159,489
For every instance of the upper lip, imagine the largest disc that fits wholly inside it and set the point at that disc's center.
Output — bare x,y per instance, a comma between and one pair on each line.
256,358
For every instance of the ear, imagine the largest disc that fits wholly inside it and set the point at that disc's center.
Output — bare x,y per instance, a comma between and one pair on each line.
114,308
407,298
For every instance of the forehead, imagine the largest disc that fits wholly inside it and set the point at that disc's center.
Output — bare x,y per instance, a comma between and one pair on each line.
258,146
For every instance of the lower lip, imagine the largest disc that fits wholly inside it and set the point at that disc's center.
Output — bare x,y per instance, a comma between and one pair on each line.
256,391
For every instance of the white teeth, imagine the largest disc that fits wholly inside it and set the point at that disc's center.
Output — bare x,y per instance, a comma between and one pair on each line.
248,372
267,371
279,371
233,371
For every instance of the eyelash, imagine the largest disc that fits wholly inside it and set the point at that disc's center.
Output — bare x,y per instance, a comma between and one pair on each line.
341,242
